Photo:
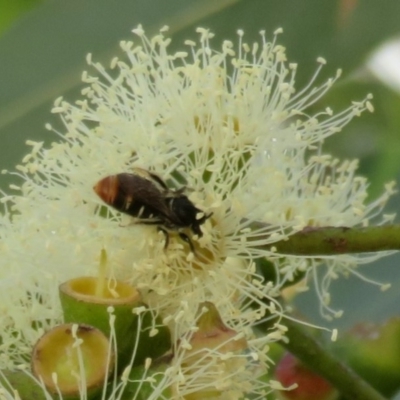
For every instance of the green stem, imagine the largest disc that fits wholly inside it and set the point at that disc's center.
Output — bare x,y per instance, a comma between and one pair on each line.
312,354
340,240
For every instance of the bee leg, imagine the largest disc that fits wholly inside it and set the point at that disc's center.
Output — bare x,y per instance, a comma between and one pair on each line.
186,239
166,235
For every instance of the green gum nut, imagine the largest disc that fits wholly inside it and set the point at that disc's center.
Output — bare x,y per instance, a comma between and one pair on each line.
83,302
70,355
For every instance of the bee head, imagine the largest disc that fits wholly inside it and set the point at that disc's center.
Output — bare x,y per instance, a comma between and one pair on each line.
186,214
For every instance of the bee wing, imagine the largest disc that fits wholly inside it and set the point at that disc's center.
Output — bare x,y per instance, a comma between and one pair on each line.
141,197
155,179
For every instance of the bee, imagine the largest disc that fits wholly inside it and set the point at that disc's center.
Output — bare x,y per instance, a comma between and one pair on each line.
146,197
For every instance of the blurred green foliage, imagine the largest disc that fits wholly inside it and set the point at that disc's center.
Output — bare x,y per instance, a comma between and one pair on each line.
11,10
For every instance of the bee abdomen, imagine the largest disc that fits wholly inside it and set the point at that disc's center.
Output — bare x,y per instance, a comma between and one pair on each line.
130,194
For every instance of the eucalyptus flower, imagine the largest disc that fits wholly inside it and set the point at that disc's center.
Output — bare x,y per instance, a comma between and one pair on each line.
224,126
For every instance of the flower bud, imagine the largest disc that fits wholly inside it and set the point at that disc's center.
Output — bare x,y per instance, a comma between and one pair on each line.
301,382
216,358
